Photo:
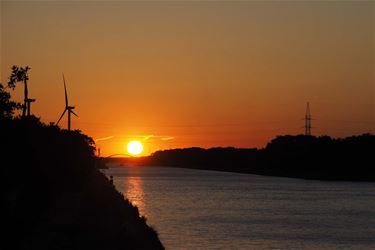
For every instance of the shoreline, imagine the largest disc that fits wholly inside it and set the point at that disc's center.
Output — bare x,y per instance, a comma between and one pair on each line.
243,173
300,156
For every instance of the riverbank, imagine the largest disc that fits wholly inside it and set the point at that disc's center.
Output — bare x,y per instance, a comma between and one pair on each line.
306,157
54,198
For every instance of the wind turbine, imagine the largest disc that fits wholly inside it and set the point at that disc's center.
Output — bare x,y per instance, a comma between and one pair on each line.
67,107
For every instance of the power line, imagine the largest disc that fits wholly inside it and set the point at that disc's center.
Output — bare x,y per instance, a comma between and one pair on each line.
308,121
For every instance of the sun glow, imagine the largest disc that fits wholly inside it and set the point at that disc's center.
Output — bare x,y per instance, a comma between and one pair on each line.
135,147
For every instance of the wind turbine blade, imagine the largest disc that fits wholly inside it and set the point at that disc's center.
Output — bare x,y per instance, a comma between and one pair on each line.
61,117
73,113
66,94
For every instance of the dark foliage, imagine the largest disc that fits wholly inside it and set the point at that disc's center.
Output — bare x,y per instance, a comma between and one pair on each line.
7,106
19,74
54,198
299,156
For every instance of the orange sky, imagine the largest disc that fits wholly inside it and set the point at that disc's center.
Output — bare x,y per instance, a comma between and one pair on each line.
182,74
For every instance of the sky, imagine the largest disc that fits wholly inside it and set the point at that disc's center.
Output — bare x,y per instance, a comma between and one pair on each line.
179,74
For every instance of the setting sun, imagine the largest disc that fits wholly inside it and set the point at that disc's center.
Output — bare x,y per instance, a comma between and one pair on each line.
135,147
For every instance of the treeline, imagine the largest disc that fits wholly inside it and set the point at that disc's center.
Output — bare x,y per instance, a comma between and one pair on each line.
300,156
53,197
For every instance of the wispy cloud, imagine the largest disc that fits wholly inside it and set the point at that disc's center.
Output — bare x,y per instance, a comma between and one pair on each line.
167,138
147,137
104,138
152,137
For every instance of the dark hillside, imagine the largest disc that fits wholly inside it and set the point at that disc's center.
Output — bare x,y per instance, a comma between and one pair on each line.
54,198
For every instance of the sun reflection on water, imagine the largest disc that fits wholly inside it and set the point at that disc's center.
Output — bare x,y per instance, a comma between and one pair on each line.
135,193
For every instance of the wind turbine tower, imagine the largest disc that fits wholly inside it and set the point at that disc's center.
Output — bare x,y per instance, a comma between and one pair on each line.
67,107
308,121
27,100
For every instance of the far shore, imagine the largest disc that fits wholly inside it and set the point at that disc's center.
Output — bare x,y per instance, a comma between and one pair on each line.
305,157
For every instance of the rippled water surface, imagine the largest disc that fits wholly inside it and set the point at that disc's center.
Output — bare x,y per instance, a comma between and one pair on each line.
198,209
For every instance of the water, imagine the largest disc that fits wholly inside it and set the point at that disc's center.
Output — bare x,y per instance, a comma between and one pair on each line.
198,209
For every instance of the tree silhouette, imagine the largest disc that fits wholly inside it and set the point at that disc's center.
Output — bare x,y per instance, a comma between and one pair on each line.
20,74
7,106
298,156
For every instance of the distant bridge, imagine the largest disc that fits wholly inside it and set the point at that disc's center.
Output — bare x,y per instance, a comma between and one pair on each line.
109,156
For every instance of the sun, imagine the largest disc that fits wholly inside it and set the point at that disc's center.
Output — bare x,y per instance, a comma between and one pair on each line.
135,147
